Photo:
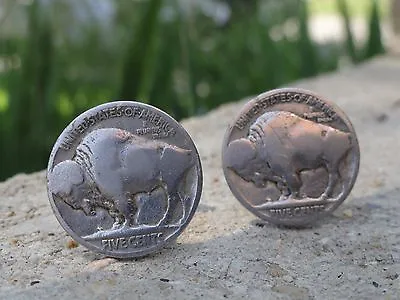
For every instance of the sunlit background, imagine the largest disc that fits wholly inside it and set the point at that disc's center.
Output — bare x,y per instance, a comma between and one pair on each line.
60,57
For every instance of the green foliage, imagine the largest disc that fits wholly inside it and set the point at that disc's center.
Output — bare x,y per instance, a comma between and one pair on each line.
139,53
350,45
30,98
374,45
178,58
309,59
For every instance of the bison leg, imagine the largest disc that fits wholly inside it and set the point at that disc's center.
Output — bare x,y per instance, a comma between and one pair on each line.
294,184
174,200
118,220
122,204
332,180
283,188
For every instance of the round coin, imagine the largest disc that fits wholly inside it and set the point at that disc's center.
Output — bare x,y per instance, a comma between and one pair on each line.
124,179
290,157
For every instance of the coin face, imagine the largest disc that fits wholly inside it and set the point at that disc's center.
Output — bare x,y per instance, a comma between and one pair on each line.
124,179
290,157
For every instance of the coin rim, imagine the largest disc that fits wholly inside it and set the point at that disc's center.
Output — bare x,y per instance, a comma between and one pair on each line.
312,218
158,246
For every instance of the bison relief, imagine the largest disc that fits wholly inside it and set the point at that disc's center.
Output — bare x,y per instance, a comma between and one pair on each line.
126,175
281,145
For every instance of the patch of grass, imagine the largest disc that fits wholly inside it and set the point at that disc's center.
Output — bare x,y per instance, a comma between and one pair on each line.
357,8
3,100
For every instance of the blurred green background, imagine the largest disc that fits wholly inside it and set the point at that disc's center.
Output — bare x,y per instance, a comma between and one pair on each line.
60,57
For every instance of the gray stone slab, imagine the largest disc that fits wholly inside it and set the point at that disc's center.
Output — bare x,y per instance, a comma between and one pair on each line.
226,252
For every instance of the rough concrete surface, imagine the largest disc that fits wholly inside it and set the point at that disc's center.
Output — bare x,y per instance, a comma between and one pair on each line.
226,252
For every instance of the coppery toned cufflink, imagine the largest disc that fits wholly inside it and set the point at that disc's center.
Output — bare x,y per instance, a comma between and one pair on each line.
124,179
290,156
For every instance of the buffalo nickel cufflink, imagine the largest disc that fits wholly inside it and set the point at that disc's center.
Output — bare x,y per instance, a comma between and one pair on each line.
124,179
290,157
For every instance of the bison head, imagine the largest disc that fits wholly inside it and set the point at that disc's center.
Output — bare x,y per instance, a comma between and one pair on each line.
67,182
241,156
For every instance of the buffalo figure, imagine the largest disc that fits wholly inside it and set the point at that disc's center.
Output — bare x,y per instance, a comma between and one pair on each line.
113,169
280,145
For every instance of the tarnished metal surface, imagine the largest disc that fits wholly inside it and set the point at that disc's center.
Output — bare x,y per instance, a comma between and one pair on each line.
291,157
124,178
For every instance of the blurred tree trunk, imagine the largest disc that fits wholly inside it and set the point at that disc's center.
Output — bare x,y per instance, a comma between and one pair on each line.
140,53
374,44
242,9
396,16
30,95
307,48
350,44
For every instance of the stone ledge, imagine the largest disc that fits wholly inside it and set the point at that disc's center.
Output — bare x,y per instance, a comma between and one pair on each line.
226,252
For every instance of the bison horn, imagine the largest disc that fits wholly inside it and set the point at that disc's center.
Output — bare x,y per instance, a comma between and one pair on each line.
239,153
64,176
